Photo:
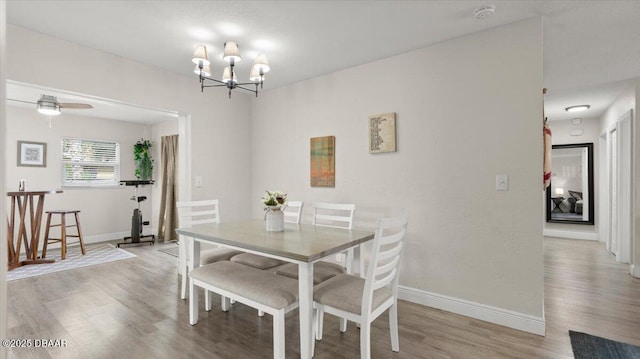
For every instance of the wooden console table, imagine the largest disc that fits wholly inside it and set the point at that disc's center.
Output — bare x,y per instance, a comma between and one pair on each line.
27,219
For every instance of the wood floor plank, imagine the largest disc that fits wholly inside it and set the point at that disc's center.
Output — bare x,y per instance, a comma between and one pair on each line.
131,308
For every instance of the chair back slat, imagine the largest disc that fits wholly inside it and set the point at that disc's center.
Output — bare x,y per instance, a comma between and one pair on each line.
292,211
335,215
386,253
381,282
191,213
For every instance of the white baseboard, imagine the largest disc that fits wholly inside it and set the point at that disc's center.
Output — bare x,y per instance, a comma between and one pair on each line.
634,270
507,318
570,234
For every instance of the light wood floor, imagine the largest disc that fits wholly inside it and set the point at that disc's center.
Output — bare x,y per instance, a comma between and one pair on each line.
131,309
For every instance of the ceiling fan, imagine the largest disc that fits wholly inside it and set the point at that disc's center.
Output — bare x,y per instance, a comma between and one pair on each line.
49,105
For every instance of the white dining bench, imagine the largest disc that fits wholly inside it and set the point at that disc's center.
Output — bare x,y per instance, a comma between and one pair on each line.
262,290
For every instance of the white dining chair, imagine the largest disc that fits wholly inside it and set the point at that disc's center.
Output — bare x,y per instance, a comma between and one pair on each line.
192,213
327,215
293,211
362,300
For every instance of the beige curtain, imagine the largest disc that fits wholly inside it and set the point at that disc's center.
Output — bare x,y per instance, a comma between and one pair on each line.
169,175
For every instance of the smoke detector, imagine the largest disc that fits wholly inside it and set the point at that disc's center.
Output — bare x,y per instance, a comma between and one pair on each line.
484,11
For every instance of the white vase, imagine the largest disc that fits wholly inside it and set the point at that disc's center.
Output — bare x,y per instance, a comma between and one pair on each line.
274,220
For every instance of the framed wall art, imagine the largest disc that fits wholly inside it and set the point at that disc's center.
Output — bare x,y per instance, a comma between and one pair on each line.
382,133
323,161
32,154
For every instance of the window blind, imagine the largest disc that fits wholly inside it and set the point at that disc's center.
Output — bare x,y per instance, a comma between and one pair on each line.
90,162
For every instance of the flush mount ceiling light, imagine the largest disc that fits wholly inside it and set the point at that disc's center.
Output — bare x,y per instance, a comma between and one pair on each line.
577,108
47,105
484,11
229,80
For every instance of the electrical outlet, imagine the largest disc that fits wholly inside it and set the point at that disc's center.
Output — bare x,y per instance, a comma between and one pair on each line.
198,181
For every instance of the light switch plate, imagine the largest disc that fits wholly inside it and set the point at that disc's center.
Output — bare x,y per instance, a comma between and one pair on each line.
502,183
198,181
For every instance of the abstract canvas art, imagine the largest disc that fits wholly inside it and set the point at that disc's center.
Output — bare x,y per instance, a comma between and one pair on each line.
323,161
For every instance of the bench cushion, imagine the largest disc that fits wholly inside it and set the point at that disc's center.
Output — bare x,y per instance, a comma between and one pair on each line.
266,288
256,261
344,292
213,255
321,271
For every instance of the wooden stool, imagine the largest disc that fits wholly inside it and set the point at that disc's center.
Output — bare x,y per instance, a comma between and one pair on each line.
63,232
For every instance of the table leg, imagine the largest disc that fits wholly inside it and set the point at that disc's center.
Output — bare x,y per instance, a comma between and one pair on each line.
305,297
193,291
35,237
22,230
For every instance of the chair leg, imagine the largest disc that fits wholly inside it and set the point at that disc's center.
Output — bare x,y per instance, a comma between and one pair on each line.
278,335
365,340
183,262
343,325
320,323
207,300
46,236
80,234
224,303
393,327
183,290
63,237
349,262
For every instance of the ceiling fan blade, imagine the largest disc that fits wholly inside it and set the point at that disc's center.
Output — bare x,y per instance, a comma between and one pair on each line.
77,106
16,100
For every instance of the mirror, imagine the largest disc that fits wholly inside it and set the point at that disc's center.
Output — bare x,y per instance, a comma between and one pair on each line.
570,196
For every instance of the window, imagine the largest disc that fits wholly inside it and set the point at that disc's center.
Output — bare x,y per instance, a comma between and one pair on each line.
90,163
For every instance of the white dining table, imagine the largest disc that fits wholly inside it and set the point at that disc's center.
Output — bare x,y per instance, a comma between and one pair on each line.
299,243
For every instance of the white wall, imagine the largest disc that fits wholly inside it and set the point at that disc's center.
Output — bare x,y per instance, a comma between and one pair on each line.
220,126
467,110
106,212
561,135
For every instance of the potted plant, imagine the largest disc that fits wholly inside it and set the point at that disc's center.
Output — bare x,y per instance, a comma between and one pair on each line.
142,156
274,201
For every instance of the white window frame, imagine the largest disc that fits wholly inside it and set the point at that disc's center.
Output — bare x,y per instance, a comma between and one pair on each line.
96,183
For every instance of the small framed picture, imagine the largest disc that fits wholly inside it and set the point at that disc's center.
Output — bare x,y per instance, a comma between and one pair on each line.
32,154
382,133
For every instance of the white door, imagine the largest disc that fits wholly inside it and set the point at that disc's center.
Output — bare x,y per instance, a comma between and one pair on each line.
623,157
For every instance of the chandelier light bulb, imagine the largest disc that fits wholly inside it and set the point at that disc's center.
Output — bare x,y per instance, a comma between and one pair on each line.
231,52
200,56
261,63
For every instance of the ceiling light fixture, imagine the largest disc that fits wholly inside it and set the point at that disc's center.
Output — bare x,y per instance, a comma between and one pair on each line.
484,11
577,108
48,105
229,80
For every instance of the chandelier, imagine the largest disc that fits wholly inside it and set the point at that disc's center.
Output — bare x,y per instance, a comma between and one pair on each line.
229,80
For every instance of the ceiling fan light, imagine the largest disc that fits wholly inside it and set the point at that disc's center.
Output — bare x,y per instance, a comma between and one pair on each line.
231,52
200,56
577,108
206,70
226,75
48,108
261,63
